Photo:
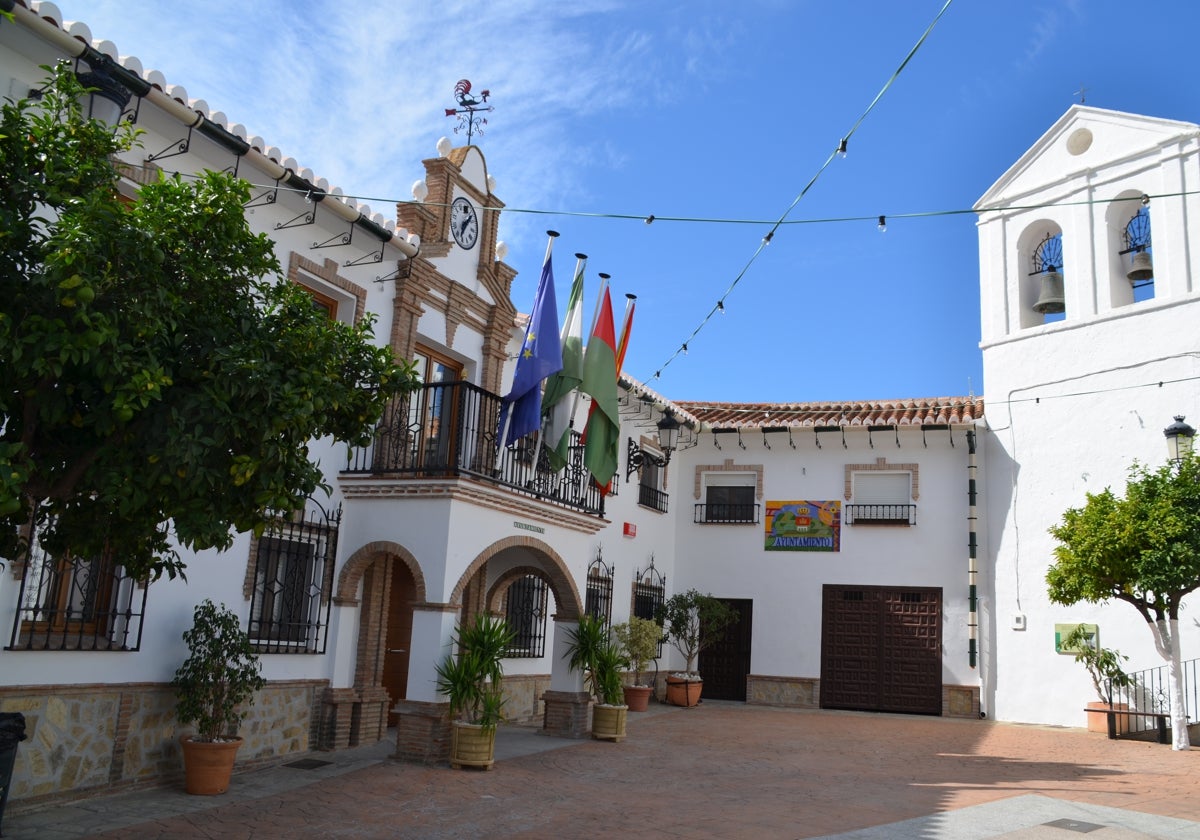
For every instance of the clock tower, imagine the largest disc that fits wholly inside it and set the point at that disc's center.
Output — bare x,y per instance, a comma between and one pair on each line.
457,274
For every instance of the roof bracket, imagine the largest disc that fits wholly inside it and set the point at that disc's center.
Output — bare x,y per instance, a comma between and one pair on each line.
766,443
741,443
305,218
268,196
181,147
342,239
370,257
791,442
403,272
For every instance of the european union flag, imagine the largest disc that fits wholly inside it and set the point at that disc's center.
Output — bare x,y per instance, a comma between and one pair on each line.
541,355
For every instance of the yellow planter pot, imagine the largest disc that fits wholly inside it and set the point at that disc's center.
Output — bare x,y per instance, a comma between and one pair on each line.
608,722
472,745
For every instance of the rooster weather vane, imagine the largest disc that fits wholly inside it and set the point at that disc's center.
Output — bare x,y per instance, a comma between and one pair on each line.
469,108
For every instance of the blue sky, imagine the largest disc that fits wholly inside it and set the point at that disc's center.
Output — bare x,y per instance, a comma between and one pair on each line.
699,110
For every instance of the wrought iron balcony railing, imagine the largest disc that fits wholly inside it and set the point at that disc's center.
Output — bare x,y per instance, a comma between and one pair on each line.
881,514
727,513
652,498
451,429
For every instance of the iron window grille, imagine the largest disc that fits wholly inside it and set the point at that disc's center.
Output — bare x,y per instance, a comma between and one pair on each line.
728,505
293,580
78,604
525,611
649,594
598,601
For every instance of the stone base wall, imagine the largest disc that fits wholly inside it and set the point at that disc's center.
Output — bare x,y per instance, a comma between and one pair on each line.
805,693
91,739
961,701
523,697
798,692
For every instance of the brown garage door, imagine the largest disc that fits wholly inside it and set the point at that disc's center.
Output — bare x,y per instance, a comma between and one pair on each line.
881,649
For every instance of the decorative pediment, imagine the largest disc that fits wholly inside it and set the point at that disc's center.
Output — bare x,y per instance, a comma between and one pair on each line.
1084,139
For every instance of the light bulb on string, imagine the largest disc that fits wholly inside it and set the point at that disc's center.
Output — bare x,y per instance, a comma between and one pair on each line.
841,150
685,349
721,306
883,224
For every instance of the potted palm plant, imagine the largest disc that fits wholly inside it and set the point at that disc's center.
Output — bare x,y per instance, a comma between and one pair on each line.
472,682
214,688
639,639
692,621
590,649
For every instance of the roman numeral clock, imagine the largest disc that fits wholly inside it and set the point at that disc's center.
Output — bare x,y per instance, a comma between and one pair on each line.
464,223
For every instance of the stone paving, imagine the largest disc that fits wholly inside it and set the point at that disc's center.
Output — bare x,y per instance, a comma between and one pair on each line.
721,770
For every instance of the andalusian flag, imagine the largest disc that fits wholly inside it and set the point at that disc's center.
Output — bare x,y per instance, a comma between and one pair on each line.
558,404
626,329
600,382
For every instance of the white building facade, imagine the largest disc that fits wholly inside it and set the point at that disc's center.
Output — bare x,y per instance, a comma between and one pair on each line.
881,554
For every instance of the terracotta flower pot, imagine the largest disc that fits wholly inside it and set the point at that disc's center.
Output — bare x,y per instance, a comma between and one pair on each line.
208,765
682,692
1098,720
637,697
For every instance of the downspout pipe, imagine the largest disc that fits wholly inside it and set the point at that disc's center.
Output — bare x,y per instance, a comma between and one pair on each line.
972,568
75,48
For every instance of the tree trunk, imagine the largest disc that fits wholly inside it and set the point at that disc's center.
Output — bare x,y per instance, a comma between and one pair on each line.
1167,640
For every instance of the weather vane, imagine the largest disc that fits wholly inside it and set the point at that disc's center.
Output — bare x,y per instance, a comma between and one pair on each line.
469,108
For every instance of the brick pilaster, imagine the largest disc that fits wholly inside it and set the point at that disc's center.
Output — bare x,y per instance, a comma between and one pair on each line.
566,713
422,731
337,716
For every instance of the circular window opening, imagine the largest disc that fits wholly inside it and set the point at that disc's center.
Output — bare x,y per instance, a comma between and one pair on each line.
1079,141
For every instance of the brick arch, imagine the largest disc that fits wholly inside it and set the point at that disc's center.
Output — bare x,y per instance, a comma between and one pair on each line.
360,560
566,595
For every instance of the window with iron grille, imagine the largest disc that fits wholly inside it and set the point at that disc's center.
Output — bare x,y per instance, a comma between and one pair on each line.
728,504
525,611
882,498
77,603
598,601
650,493
293,577
649,593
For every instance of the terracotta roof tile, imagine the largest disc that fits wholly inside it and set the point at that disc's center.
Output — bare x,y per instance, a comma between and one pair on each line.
911,412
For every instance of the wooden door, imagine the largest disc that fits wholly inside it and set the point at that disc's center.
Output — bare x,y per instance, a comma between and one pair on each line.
725,664
399,635
881,649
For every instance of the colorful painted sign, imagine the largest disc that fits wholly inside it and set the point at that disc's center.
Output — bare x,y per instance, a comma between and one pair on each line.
803,526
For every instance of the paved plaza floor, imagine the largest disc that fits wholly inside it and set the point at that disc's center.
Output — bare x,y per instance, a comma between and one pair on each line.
720,770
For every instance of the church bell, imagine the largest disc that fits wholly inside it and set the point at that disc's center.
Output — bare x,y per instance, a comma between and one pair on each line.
1051,300
1141,269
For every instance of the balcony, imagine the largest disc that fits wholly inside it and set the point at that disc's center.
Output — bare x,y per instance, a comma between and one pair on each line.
881,514
726,514
451,430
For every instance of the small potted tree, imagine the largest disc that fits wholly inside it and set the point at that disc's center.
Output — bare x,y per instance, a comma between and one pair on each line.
472,682
638,638
214,688
1104,667
692,621
590,649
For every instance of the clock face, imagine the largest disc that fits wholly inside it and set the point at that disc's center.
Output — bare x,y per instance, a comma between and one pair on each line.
464,225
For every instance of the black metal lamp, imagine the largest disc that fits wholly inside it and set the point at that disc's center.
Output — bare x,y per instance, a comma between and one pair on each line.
668,435
105,98
1180,437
